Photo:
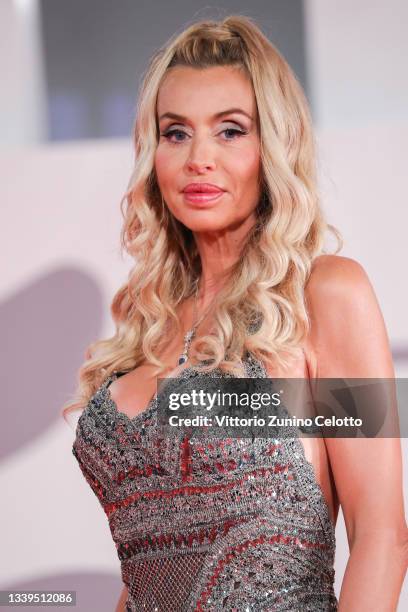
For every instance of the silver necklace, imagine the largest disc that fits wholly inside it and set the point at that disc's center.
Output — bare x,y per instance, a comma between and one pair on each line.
191,332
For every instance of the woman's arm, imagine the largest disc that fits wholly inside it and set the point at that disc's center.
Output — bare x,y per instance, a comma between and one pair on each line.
349,339
120,607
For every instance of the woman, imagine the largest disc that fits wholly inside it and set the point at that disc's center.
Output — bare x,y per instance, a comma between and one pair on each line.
231,278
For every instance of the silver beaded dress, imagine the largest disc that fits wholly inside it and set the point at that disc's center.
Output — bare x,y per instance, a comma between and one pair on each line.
227,524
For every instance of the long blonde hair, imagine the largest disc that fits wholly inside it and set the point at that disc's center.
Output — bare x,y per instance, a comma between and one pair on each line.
267,282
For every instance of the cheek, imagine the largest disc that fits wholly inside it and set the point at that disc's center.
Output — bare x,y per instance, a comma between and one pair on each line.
164,164
247,167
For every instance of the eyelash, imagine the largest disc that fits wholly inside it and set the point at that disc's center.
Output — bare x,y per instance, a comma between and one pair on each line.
169,133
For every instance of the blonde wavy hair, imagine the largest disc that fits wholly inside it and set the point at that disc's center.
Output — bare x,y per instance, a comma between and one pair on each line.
266,285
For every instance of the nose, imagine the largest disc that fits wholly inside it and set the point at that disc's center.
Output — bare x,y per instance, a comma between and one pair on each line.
200,156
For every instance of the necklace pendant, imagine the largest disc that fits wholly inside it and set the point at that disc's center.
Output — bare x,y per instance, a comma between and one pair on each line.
189,335
182,359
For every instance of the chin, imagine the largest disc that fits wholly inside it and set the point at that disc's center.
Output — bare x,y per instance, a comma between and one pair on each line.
205,227
203,222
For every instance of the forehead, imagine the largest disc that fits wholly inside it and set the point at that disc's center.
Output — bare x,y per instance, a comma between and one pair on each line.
192,91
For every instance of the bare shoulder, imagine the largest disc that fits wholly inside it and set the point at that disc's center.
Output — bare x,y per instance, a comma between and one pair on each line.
348,335
338,282
335,273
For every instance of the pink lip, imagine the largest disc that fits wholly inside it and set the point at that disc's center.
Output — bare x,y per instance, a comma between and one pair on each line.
201,199
202,188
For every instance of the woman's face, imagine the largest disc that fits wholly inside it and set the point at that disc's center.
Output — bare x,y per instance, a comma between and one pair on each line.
197,146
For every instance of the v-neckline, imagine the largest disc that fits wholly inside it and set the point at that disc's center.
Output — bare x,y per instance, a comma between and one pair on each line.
141,416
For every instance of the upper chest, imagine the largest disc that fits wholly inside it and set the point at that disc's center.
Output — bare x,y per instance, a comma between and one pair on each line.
133,391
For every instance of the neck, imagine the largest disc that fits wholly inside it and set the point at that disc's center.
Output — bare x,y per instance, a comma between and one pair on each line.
208,287
219,250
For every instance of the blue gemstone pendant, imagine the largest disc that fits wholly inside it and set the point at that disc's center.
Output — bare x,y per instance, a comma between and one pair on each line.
187,341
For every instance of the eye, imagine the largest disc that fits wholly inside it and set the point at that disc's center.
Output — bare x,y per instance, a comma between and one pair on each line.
170,133
237,133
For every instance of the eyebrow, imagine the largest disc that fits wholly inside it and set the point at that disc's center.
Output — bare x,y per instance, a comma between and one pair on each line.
229,111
